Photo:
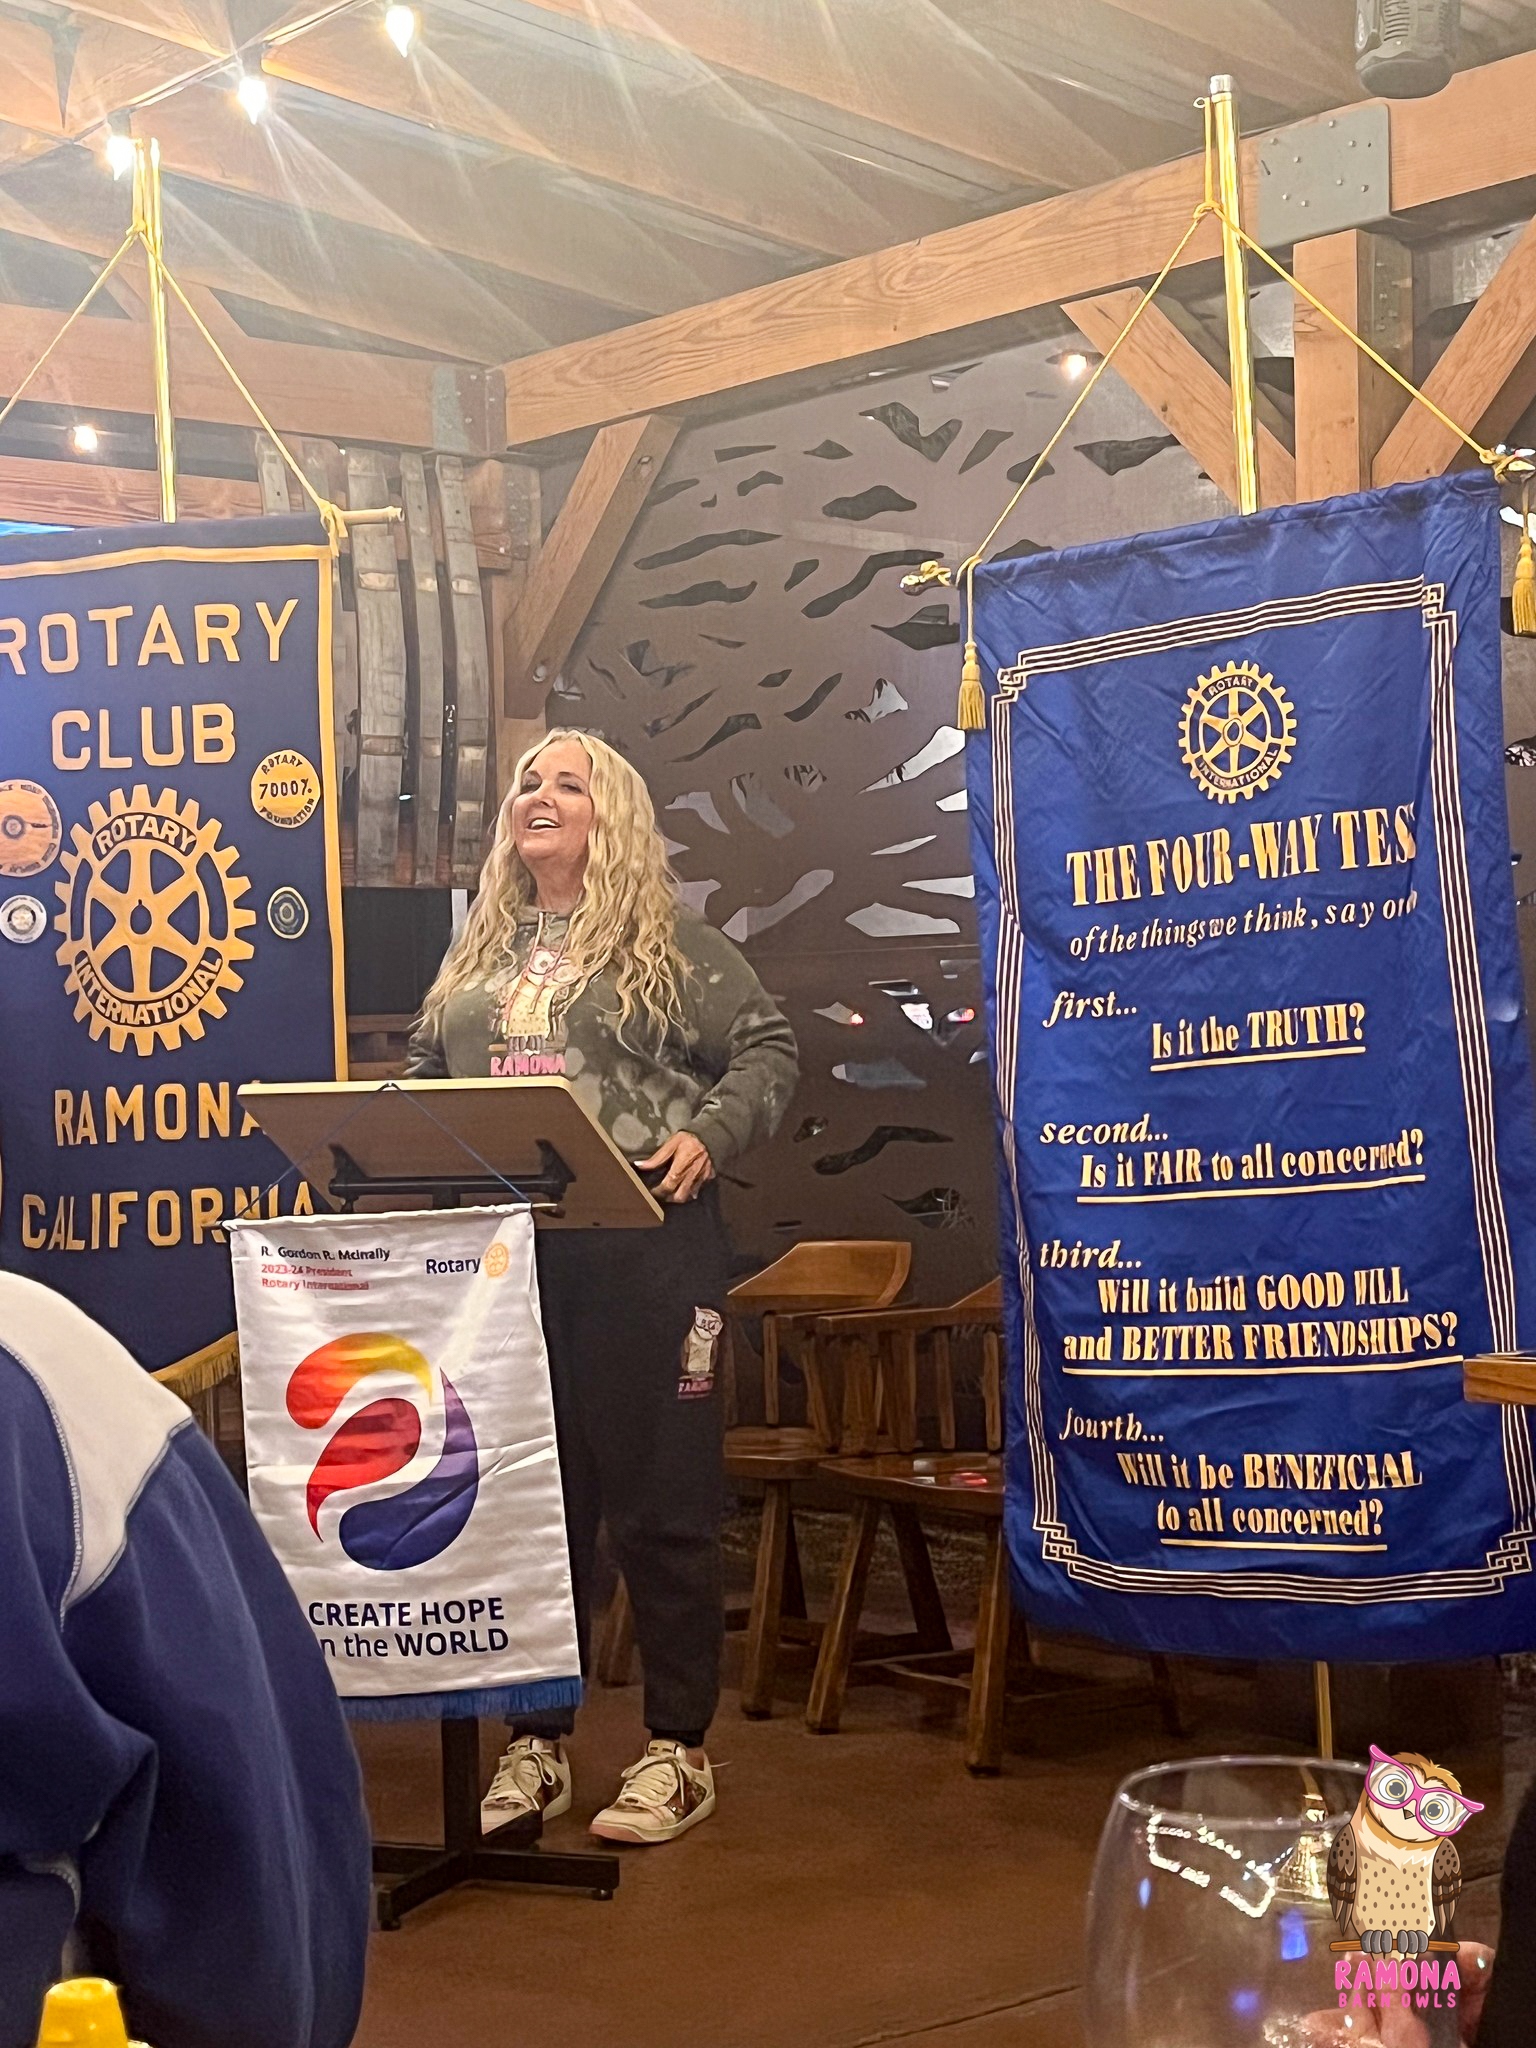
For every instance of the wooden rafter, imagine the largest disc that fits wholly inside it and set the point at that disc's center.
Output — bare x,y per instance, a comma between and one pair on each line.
1485,380
573,564
1261,41
29,84
737,170
418,297
196,24
294,159
906,71
1177,382
114,67
972,278
94,494
104,365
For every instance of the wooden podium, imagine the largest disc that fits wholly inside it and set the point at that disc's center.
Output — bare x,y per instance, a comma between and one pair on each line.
403,1144
451,1142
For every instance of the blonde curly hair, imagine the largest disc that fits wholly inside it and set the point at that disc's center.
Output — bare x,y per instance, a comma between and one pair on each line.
625,920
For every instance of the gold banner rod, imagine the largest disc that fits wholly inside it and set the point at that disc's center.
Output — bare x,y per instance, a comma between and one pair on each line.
1222,114
147,220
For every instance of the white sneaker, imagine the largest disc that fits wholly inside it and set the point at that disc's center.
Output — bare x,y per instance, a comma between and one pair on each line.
661,1796
532,1777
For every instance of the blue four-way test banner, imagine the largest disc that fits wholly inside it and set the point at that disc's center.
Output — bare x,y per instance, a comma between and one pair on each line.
169,904
1268,1151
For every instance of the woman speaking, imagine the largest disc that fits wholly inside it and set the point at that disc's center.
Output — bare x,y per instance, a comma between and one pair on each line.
578,959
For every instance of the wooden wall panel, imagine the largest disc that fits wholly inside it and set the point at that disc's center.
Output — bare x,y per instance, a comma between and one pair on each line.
381,673
792,711
471,669
426,646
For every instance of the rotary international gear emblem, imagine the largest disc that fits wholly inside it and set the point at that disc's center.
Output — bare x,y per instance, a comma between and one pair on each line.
151,924
1237,731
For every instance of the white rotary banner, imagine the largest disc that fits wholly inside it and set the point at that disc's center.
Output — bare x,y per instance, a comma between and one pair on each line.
400,1440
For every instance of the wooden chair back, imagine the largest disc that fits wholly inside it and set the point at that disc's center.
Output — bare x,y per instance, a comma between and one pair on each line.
825,1274
898,1368
821,1275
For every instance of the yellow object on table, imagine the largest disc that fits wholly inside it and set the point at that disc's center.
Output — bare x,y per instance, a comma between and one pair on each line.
83,2012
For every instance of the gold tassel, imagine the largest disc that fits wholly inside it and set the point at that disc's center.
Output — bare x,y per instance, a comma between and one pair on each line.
202,1370
972,715
1522,596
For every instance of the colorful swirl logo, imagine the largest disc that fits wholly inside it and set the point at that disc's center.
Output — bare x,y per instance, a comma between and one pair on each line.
381,1438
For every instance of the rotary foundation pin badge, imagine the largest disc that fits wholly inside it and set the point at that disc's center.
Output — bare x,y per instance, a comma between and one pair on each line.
23,919
288,913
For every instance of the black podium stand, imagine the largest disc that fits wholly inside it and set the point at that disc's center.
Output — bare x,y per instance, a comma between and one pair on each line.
449,1143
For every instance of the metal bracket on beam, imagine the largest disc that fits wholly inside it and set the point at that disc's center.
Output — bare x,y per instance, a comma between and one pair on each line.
1321,177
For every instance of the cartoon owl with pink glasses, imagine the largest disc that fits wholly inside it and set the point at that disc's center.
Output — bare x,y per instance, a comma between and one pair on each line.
1393,1872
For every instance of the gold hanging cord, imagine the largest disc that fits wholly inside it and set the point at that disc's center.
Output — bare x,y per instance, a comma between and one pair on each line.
1504,463
145,230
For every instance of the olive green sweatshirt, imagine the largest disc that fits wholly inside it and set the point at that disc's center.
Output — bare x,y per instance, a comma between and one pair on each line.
727,1077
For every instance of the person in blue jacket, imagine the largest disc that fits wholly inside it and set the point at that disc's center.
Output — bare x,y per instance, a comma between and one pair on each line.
180,1805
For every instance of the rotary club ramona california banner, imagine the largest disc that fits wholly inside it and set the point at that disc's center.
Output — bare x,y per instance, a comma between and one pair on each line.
169,903
400,1443
1268,1152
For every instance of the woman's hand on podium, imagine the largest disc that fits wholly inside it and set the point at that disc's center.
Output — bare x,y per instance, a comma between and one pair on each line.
688,1166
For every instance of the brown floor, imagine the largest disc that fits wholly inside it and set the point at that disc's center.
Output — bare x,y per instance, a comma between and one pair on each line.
850,1890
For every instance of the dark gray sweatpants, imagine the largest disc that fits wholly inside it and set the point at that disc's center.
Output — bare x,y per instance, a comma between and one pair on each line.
639,1426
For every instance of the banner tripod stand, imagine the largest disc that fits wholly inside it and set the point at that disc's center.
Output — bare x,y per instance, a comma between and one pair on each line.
414,1872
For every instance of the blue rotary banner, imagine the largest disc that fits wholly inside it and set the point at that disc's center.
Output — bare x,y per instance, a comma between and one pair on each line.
1268,1151
170,921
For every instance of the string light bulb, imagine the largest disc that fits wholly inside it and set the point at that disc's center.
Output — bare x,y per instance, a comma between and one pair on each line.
252,94
1074,366
84,438
119,150
400,26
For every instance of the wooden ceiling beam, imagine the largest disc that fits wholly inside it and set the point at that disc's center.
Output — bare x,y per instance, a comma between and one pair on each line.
94,494
195,24
1192,398
983,274
1260,43
1486,378
909,72
326,276
418,194
742,172
104,365
114,67
29,79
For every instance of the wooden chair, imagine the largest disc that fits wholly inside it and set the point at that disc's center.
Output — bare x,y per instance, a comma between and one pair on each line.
952,1486
808,1282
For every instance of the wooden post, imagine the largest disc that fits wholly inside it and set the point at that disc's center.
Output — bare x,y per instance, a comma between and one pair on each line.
584,543
1345,406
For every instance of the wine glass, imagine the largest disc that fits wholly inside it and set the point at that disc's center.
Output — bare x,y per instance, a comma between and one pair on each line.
1208,1920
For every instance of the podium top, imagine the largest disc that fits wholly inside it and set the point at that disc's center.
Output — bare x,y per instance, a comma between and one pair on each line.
382,1133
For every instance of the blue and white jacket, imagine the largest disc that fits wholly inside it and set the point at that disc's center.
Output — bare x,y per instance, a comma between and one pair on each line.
180,1804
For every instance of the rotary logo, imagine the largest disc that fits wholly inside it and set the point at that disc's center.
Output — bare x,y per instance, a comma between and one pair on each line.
1237,731
150,921
383,1438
